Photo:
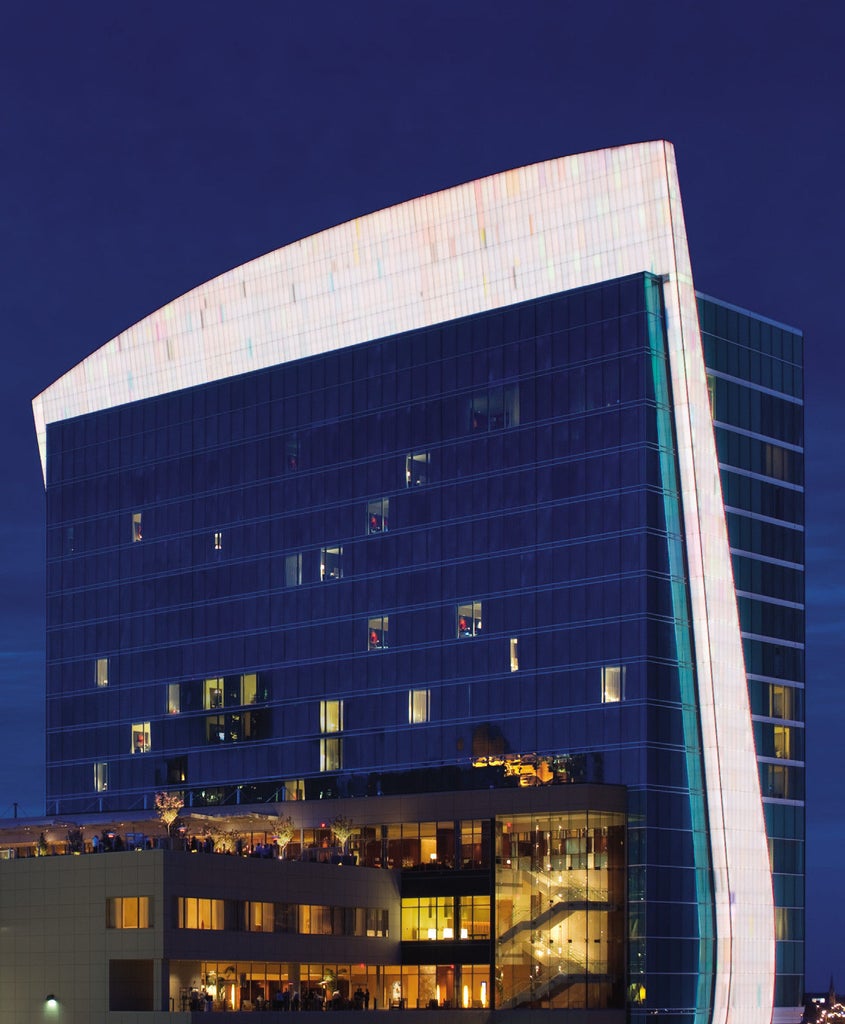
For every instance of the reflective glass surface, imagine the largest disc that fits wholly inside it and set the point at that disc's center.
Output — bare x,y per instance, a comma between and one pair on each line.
481,511
755,371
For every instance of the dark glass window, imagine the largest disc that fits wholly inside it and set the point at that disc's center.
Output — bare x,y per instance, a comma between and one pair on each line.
293,570
292,454
495,408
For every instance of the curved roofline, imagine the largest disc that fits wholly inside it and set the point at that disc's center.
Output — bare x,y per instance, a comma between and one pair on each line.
505,238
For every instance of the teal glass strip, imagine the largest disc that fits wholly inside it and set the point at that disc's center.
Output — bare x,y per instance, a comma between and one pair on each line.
683,643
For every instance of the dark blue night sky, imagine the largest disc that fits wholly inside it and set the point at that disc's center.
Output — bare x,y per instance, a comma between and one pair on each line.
145,149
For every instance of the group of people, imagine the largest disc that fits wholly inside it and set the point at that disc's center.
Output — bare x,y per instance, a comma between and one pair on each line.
288,1000
201,1001
206,844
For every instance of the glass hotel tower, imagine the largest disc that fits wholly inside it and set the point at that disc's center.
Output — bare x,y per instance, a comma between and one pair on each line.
431,502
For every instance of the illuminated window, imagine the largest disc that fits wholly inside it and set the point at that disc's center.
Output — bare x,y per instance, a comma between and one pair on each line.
174,698
141,738
514,653
377,515
315,919
468,619
331,754
101,777
431,917
377,627
789,925
331,716
783,741
417,466
230,692
293,570
419,706
218,540
201,913
249,688
102,675
292,454
128,912
494,409
137,532
331,564
294,789
212,693
475,843
476,987
70,543
474,913
259,917
781,702
612,684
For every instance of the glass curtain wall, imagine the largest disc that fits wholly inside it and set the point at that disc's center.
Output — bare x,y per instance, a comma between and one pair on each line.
755,376
560,911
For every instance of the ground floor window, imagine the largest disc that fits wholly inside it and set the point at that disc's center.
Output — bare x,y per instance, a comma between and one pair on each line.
227,985
131,985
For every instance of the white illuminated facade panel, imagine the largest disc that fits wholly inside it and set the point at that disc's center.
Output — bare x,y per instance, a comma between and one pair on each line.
745,950
511,237
520,235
